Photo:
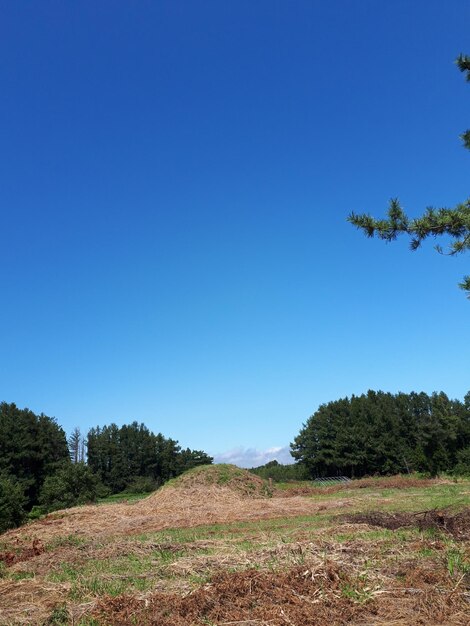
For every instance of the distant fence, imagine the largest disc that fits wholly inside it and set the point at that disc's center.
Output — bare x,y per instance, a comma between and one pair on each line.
331,480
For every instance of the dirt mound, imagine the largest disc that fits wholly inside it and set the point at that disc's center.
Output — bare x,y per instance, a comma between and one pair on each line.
455,524
216,478
206,494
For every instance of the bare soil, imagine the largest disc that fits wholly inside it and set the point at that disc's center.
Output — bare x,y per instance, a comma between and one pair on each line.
455,524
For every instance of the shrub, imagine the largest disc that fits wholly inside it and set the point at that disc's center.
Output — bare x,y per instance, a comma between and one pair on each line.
12,503
141,484
72,484
36,512
462,466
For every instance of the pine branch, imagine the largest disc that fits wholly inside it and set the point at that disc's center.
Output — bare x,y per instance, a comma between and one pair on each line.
463,63
455,223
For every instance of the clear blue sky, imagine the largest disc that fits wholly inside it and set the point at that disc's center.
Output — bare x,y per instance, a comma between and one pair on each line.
174,185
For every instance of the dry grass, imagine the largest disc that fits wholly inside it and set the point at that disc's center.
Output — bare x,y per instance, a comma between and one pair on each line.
207,552
233,478
326,594
168,508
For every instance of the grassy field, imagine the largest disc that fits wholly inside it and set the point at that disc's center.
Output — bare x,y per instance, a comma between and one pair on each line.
387,551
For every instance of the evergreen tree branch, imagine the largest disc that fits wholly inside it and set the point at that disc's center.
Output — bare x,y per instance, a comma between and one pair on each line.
453,223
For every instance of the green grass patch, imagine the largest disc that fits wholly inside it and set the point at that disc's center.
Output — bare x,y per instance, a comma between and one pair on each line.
125,496
110,576
457,562
66,541
21,575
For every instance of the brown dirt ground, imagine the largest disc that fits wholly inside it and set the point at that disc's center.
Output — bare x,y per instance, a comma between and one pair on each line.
457,525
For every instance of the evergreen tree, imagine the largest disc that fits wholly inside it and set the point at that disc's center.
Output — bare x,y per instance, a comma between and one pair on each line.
71,485
193,458
281,473
32,447
454,222
12,503
76,443
382,433
121,456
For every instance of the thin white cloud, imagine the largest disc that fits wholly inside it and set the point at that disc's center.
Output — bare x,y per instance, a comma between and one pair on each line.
251,457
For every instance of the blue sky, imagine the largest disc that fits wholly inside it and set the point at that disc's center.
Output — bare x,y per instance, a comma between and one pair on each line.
174,185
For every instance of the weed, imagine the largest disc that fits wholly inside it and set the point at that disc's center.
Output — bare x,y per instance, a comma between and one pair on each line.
21,575
68,540
426,552
168,556
58,617
356,594
457,564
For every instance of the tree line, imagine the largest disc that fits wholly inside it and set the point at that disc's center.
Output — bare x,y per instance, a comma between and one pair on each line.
280,472
40,470
122,456
374,433
384,433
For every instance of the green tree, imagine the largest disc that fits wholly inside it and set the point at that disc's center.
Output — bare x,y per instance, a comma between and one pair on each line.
280,473
192,458
462,409
72,484
167,454
32,447
462,466
120,456
454,223
12,503
318,445
382,433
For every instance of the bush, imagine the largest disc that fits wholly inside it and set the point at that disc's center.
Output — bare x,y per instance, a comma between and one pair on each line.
462,466
102,491
142,484
36,512
12,503
71,485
